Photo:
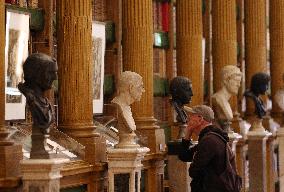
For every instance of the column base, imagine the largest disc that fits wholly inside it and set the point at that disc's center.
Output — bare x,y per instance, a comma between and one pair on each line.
152,136
10,157
3,137
42,175
95,144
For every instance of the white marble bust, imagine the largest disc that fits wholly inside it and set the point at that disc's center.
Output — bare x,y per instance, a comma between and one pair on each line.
231,81
130,88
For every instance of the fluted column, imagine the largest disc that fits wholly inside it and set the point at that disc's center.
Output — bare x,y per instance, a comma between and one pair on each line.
276,25
3,130
240,46
75,74
137,50
10,154
255,42
207,34
224,48
74,21
189,45
224,37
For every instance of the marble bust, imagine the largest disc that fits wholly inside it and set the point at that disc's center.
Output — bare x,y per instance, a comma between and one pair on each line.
40,71
231,81
259,86
130,88
181,92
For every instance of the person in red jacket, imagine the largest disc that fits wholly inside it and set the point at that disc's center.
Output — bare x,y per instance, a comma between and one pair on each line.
208,157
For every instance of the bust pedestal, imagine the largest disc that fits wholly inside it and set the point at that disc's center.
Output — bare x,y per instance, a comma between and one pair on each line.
124,168
179,179
257,152
42,175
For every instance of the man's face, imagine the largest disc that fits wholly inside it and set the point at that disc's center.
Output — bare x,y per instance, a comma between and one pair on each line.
195,122
185,94
263,88
49,76
136,90
233,84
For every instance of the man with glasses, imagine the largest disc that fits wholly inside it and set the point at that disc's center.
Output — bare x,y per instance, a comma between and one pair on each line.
208,157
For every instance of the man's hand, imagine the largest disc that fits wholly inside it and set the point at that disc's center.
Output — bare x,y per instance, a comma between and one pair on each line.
188,132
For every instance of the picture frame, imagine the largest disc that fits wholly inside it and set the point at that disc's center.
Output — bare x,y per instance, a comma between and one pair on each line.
16,52
98,52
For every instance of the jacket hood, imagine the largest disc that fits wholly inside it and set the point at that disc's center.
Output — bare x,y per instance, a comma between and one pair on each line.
212,128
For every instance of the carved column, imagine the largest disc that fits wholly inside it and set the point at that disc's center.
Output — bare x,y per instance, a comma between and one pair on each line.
189,45
224,38
3,131
137,49
207,33
276,25
224,49
255,42
137,54
10,154
74,27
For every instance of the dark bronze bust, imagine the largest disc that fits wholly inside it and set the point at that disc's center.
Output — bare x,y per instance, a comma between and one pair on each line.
259,86
40,71
181,92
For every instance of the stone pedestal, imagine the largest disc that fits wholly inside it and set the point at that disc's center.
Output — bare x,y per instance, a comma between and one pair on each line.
280,135
270,161
179,179
124,168
41,175
257,138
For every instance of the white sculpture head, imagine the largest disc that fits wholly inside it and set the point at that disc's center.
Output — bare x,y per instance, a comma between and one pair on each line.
231,78
131,84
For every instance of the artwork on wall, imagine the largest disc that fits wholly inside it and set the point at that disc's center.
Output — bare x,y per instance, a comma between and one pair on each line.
16,52
98,50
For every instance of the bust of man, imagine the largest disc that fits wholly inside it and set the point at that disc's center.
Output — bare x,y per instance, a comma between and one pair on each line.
231,81
181,92
130,89
40,71
259,86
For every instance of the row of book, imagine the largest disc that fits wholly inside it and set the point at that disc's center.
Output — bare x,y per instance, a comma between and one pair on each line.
161,15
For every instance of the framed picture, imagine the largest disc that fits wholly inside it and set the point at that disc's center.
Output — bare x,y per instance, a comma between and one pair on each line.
98,50
16,52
